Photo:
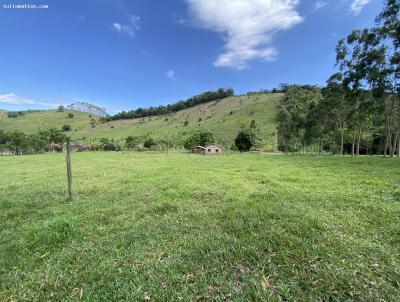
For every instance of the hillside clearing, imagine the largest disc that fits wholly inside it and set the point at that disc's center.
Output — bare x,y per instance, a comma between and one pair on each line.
238,227
224,118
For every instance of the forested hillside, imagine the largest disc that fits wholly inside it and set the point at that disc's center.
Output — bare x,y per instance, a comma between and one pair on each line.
358,112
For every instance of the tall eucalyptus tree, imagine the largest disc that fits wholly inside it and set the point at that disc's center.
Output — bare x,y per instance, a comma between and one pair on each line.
389,32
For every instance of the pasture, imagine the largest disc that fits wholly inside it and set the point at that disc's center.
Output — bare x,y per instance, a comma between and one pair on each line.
152,227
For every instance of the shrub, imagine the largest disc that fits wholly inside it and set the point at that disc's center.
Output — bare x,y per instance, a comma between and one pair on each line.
15,113
149,143
66,128
107,145
132,142
70,115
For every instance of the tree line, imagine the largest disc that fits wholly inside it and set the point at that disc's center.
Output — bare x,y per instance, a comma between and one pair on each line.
18,143
358,111
172,108
53,140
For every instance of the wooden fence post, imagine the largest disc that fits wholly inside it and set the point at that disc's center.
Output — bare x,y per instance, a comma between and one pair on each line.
69,172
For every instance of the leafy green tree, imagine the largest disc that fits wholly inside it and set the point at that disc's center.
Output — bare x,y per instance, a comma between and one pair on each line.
319,123
335,100
351,54
18,143
199,138
38,142
389,33
244,141
293,113
56,136
4,141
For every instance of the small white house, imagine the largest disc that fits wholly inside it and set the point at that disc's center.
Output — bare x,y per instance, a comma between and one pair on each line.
213,149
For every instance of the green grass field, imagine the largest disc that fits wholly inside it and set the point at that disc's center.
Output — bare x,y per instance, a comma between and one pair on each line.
224,118
152,227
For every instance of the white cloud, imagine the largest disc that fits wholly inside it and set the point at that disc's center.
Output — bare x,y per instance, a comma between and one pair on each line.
247,26
358,5
117,26
170,74
319,4
13,99
129,29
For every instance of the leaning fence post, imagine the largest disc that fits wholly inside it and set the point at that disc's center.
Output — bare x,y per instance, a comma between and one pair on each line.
69,172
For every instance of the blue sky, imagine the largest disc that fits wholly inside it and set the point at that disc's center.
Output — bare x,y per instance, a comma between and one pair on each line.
124,54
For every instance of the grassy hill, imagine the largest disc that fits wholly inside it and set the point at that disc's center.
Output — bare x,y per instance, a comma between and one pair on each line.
34,121
223,117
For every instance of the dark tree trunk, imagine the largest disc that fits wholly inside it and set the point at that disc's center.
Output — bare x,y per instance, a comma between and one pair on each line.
341,141
353,143
388,148
398,147
395,142
321,145
358,141
388,116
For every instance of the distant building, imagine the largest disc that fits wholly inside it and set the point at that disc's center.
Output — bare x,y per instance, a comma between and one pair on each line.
198,149
213,149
